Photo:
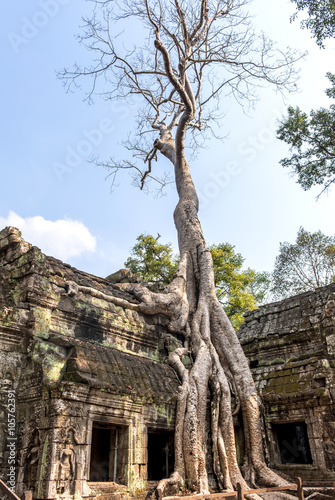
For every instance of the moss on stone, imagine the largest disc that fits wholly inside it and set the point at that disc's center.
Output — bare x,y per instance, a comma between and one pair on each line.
16,293
42,468
42,323
186,360
52,360
271,362
305,356
7,317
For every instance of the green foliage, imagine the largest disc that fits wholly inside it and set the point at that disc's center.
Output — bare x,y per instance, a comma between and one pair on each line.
312,138
321,18
238,291
153,262
312,143
304,265
259,286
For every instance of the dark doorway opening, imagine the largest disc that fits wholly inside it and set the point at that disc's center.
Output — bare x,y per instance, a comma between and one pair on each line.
160,454
293,443
109,453
239,435
240,444
100,450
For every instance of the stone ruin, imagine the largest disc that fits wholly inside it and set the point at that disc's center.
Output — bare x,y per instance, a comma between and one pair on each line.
87,398
291,349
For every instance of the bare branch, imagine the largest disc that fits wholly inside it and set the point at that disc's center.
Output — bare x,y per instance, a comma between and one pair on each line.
187,55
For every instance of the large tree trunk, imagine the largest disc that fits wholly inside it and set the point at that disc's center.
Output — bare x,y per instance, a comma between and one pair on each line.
190,45
219,364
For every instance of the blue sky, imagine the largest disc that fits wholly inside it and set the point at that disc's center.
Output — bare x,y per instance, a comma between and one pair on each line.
63,204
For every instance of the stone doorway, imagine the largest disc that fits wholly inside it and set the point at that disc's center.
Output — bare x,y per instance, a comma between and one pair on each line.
160,454
292,443
109,453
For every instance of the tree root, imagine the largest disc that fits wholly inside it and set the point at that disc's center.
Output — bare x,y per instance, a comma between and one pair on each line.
174,484
219,366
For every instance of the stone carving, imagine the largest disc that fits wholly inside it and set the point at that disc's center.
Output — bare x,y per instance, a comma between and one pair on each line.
32,460
329,444
67,464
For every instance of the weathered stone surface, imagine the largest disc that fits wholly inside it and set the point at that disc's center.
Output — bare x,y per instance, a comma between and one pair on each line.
123,276
75,362
290,348
78,366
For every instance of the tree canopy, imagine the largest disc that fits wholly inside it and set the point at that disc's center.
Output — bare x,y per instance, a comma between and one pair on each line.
152,261
307,264
320,20
312,143
312,138
238,290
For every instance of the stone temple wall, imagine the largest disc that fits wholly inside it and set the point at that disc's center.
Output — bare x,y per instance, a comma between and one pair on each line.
77,366
291,349
87,395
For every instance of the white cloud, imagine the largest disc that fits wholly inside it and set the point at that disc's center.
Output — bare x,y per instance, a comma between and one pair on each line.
62,239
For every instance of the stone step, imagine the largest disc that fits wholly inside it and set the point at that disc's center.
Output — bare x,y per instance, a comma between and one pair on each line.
107,490
114,491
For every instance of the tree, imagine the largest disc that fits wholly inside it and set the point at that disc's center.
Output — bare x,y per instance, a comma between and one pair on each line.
259,286
172,69
321,18
312,142
153,262
238,290
312,139
304,265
